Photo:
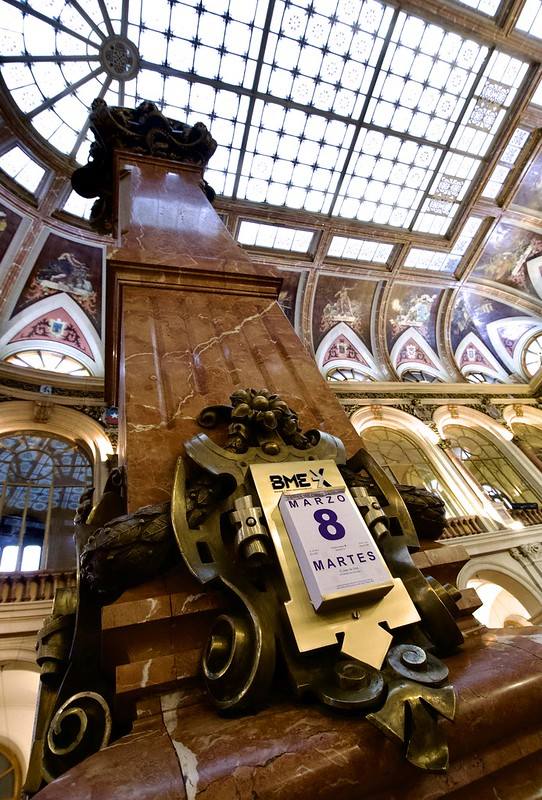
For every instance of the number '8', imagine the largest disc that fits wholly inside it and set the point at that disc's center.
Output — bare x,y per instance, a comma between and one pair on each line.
328,526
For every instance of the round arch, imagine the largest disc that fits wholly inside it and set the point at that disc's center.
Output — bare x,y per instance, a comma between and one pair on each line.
465,500
464,415
523,415
496,433
508,577
67,423
11,764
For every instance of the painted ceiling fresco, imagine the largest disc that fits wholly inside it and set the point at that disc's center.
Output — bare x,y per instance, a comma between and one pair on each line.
66,266
529,194
485,333
513,257
413,307
9,223
343,300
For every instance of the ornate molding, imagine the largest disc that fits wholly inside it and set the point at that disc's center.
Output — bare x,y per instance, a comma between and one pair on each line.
528,552
143,130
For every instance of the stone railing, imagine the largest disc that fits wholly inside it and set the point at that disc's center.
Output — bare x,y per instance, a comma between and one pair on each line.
463,526
21,587
529,516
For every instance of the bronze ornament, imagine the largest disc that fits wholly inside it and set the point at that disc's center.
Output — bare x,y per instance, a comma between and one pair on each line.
141,130
410,715
228,529
374,649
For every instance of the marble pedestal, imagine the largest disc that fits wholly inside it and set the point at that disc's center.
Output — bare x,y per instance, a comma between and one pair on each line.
180,748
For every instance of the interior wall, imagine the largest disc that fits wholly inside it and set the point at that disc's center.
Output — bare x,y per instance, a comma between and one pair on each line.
18,698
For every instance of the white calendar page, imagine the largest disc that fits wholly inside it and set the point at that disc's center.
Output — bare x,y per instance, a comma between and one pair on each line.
336,553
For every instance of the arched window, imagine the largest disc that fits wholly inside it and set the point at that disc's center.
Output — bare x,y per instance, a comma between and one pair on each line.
404,461
489,466
347,374
10,775
480,377
531,435
419,376
41,480
48,360
532,355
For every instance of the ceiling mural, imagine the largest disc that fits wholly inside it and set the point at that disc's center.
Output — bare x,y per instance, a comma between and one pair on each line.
288,293
345,300
361,147
56,326
9,223
413,307
494,330
66,266
513,257
529,194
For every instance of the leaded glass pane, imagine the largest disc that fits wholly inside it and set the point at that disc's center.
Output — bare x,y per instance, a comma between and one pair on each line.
276,237
359,250
531,435
489,467
22,168
41,480
419,258
404,461
530,19
357,109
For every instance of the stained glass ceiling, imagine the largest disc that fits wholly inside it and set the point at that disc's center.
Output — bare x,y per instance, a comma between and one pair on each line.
353,109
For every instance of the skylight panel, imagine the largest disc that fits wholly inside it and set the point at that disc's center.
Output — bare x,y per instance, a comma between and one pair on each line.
506,162
537,96
324,55
71,19
424,81
489,7
78,206
494,93
22,168
57,133
359,250
275,237
419,258
293,158
530,19
223,112
386,180
446,193
361,87
222,45
20,82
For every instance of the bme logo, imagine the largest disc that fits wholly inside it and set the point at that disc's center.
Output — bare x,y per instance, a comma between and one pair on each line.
301,480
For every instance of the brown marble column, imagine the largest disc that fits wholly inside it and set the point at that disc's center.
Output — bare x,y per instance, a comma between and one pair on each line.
190,319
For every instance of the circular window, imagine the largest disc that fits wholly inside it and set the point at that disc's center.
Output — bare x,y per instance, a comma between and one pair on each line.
532,355
46,359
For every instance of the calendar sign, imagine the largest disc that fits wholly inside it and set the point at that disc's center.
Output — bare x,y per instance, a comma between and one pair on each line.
315,522
334,548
